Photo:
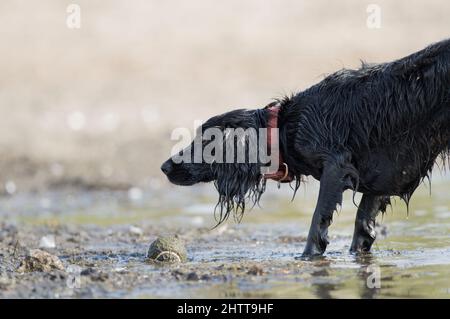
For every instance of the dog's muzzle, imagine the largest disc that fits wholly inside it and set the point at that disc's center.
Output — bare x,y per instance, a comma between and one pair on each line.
167,167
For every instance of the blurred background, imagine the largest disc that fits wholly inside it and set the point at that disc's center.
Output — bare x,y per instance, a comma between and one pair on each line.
86,116
94,107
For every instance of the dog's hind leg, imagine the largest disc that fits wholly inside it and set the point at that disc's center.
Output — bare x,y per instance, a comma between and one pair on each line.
365,234
337,175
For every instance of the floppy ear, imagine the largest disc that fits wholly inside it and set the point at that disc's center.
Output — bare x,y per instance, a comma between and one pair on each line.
239,177
236,183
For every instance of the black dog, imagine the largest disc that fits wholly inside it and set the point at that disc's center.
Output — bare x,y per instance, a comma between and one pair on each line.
377,130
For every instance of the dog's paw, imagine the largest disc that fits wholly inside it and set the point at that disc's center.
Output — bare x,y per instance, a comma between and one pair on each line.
364,237
315,247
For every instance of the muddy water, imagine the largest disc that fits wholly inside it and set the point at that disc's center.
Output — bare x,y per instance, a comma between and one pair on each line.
257,258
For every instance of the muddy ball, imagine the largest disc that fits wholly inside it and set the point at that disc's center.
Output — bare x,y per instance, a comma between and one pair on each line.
167,250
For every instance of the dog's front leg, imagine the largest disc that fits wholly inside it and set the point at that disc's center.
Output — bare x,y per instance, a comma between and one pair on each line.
336,176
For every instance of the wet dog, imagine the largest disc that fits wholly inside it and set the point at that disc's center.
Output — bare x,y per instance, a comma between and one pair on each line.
377,130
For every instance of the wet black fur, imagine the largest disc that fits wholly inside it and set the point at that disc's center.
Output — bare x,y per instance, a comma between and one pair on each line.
377,130
389,119
237,182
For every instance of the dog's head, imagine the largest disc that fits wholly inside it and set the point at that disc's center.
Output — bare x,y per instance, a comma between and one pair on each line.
224,151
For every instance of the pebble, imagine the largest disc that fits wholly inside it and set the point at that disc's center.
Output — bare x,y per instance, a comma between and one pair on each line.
135,231
192,277
47,242
39,260
94,274
255,271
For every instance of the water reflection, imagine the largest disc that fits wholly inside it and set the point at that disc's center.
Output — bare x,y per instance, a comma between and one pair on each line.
323,285
369,275
325,277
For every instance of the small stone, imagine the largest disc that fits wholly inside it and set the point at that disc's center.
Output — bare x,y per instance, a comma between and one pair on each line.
135,231
135,194
47,242
192,277
88,271
205,277
255,271
56,275
121,270
10,187
177,274
94,274
167,250
39,260
99,276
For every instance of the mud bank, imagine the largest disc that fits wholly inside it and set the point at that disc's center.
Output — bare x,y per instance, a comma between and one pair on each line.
253,260
101,239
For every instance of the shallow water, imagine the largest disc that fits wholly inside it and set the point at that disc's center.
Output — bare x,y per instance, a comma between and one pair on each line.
257,258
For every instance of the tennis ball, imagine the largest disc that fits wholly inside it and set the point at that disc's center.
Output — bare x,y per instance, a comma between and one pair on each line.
168,249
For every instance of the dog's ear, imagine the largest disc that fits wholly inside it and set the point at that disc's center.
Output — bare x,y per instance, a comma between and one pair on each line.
236,183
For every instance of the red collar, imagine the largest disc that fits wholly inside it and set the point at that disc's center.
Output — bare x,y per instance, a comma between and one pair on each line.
282,175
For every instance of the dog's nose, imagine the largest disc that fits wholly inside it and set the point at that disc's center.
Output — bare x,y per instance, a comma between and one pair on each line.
166,167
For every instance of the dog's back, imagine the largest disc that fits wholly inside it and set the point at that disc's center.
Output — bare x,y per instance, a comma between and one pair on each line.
380,104
396,114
